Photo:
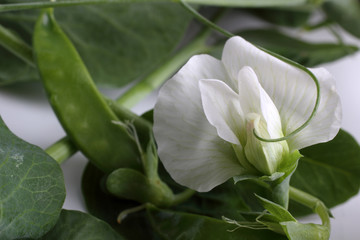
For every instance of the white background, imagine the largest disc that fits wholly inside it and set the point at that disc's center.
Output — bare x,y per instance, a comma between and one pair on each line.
25,110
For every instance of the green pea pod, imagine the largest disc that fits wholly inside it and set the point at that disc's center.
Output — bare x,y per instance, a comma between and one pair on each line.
79,106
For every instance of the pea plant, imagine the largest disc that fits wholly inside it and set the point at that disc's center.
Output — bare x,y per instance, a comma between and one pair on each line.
244,119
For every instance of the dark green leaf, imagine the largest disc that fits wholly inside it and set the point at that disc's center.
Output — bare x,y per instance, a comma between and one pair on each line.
346,13
32,188
305,53
176,225
329,171
75,225
107,207
12,69
284,17
118,42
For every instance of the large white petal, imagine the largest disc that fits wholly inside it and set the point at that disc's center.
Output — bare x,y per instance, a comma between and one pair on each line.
254,99
291,89
222,109
327,121
188,145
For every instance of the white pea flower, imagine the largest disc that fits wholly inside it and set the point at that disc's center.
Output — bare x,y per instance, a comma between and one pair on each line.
206,114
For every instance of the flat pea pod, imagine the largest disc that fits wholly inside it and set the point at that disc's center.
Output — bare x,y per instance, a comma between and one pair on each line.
79,106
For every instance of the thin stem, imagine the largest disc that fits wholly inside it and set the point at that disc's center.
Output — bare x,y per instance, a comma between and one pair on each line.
61,150
164,72
286,60
313,203
204,20
128,211
16,45
182,197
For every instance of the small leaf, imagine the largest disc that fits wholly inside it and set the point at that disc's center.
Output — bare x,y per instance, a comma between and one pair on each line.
346,13
280,213
305,53
75,225
178,225
329,171
299,231
32,188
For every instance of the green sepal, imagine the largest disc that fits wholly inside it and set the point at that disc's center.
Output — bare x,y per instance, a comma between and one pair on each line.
279,212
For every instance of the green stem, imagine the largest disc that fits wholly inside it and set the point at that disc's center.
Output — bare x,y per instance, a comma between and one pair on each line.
182,197
311,202
61,150
161,74
16,45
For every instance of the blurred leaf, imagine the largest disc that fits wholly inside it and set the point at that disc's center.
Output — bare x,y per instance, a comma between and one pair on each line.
300,231
13,70
346,13
329,171
75,225
118,42
305,53
32,188
283,17
176,225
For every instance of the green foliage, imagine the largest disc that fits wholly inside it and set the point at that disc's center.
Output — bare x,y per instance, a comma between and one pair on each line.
329,171
32,188
305,53
118,42
344,12
284,17
75,225
177,225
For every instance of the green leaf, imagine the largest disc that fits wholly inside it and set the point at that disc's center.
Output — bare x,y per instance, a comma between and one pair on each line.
229,3
14,70
305,53
118,42
280,213
284,17
329,171
299,231
107,207
177,225
75,225
32,188
346,13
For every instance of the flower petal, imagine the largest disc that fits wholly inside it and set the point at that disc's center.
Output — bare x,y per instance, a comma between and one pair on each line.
291,89
188,144
254,99
327,121
222,109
